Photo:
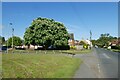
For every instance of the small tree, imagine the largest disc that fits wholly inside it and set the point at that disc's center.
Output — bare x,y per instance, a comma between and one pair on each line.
2,40
16,41
93,42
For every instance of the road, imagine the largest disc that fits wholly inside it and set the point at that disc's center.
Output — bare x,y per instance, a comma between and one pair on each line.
100,63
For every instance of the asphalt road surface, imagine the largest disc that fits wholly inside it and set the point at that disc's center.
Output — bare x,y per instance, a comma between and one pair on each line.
100,63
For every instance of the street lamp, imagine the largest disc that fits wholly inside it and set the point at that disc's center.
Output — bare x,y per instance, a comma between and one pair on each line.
12,34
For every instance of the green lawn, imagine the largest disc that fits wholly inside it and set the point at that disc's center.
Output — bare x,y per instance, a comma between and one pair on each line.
39,65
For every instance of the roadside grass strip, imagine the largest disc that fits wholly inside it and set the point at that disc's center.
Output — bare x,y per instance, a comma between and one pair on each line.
38,66
115,50
78,51
84,51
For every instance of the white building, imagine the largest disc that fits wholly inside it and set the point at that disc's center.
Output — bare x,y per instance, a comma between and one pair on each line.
89,42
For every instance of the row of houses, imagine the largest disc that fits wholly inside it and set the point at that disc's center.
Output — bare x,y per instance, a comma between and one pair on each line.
78,43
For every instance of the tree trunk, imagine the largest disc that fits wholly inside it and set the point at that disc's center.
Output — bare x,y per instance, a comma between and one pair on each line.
28,46
34,47
45,47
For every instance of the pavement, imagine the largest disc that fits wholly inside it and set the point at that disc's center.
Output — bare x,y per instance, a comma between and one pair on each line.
100,63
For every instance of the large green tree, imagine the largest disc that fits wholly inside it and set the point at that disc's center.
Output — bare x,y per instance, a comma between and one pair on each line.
46,32
16,41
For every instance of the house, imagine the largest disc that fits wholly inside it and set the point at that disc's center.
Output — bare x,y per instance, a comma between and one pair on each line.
115,42
76,42
87,42
119,42
71,41
81,44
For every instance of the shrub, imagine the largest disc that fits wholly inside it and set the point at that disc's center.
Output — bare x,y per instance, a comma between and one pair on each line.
63,47
85,46
115,47
72,47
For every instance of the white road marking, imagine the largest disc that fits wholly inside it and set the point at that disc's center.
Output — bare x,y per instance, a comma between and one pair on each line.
99,68
106,55
99,71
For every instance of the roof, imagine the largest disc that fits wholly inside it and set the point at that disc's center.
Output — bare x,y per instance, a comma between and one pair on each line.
115,41
83,41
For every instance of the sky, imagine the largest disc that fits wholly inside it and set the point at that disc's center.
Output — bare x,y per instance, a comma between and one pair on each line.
78,17
60,0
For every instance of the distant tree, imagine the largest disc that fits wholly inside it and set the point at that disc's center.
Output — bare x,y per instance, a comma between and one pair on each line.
102,35
71,36
16,41
107,34
93,42
118,37
46,32
2,40
115,37
104,40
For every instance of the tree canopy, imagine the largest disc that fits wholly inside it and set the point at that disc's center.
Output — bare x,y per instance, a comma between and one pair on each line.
2,40
103,40
16,41
46,32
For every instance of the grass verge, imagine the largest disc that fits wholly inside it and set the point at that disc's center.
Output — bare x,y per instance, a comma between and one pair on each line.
115,50
38,66
53,51
78,51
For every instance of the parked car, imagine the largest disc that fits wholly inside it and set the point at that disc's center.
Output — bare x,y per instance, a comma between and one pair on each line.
3,48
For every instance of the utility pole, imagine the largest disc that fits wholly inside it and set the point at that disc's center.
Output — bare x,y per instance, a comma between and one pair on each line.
7,45
12,37
7,39
90,39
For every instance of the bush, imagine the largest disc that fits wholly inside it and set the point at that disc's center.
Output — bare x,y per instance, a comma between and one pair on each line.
115,47
85,46
72,47
63,47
